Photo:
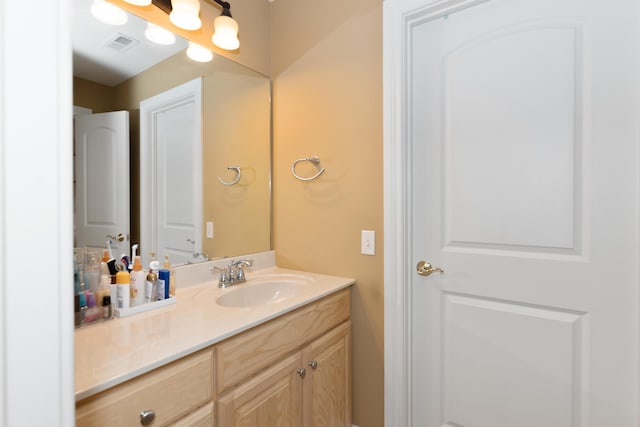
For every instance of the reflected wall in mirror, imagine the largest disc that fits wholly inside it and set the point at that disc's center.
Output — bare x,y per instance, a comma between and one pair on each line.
235,131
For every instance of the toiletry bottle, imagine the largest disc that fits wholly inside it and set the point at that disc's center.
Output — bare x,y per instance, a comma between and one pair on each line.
113,290
93,313
172,275
149,296
158,286
165,276
105,277
138,279
107,310
83,306
76,311
122,280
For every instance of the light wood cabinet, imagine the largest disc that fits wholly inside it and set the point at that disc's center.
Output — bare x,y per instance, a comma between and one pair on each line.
247,354
310,388
294,370
172,392
326,388
272,398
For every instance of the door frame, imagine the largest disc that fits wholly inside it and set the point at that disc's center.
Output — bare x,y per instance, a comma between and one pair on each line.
36,203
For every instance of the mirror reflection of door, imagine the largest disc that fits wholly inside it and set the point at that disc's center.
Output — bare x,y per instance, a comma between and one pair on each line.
101,166
171,173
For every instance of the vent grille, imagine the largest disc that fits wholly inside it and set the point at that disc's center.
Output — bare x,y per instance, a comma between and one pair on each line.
121,42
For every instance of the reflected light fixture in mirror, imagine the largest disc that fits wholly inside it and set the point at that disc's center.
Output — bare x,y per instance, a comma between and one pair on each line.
139,2
108,13
159,35
184,14
199,53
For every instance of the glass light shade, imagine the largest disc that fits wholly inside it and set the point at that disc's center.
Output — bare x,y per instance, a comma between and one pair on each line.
199,53
184,14
139,2
159,35
108,13
225,34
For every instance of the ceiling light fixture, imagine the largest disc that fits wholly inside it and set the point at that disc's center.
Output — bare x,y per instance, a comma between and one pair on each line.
159,35
199,53
139,2
108,13
225,29
184,14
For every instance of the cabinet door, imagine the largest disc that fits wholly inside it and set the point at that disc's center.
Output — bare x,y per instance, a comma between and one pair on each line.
272,398
203,417
327,386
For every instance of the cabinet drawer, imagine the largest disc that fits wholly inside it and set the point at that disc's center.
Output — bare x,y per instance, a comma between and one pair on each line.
244,355
171,392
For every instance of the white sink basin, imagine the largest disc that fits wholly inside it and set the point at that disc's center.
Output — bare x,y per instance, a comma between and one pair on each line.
263,290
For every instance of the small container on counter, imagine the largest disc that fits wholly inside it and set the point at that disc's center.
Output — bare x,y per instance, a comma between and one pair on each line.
107,309
165,276
122,281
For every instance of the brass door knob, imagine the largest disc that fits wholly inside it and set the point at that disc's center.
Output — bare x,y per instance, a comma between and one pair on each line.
424,268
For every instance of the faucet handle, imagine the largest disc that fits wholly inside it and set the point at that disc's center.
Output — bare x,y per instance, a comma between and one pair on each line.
243,263
224,273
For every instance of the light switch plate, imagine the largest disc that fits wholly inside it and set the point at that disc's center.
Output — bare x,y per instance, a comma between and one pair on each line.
209,230
368,242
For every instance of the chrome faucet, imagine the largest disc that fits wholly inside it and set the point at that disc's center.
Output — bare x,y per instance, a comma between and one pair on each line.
233,273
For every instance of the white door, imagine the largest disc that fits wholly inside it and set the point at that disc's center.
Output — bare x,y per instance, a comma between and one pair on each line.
102,181
521,133
171,173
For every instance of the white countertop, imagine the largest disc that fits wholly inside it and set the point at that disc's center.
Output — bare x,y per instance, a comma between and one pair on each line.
112,352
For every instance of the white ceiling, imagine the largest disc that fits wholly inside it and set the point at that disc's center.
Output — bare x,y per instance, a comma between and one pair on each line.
94,60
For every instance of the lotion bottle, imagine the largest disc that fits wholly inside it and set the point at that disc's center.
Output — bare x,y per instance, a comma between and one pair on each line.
149,296
122,280
137,284
172,275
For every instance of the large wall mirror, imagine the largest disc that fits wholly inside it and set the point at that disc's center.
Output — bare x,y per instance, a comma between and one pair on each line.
115,69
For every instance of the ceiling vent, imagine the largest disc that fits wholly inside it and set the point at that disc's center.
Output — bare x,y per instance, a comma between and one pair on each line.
120,42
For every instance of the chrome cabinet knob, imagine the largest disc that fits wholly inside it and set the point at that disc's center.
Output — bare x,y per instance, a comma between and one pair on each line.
147,417
424,269
313,364
302,372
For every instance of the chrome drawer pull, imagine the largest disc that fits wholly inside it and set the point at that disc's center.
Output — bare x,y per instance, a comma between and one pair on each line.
147,417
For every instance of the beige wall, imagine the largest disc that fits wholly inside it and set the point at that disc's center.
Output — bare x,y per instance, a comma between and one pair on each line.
237,133
327,72
97,97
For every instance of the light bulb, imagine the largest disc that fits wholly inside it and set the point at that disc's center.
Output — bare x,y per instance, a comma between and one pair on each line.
199,53
225,34
184,14
139,2
108,13
159,35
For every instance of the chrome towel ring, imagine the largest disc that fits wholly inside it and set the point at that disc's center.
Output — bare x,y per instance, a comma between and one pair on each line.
236,179
315,160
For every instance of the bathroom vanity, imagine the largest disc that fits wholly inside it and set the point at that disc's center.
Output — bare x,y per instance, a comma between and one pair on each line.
273,351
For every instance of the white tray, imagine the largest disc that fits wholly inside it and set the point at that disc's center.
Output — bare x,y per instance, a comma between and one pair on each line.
124,312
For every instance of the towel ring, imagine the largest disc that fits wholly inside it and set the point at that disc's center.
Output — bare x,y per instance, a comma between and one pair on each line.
235,180
315,160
